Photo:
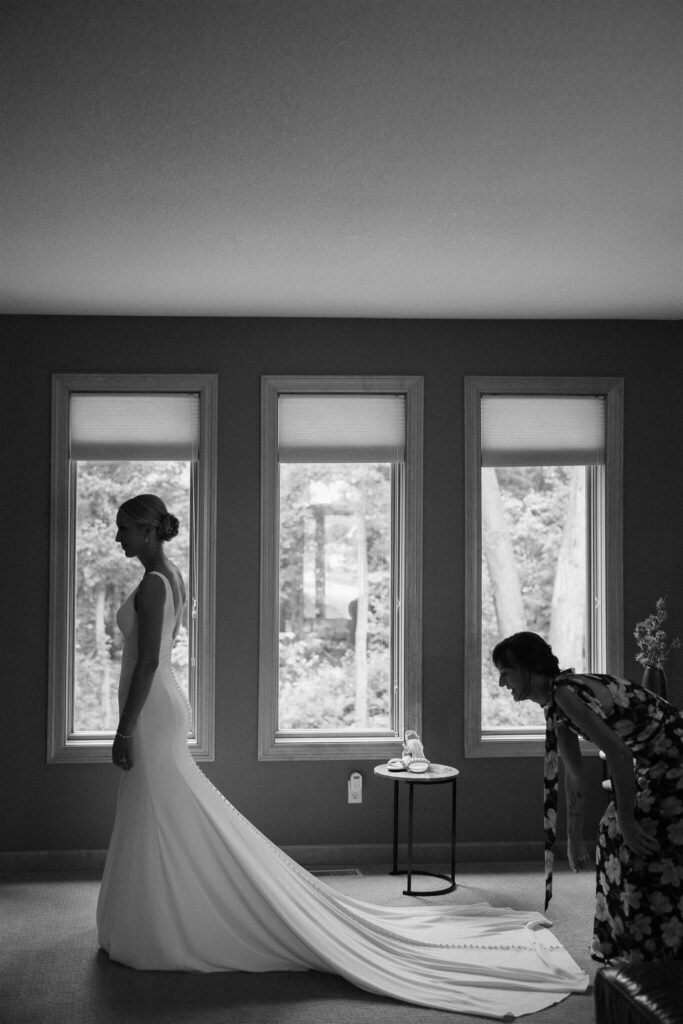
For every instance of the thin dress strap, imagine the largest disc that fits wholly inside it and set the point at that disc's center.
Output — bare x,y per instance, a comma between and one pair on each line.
550,774
549,798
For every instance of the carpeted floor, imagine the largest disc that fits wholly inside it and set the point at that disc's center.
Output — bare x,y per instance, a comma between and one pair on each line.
53,973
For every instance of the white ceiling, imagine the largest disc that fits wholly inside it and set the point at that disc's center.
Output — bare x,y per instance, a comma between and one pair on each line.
446,158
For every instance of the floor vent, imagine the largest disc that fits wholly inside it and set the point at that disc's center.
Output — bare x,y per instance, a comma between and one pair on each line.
337,873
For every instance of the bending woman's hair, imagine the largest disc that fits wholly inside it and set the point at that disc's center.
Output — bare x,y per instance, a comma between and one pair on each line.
528,650
150,510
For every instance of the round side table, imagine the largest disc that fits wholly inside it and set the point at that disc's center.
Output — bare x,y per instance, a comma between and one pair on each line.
437,774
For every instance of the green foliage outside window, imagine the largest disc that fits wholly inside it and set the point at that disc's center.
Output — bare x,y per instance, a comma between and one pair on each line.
335,596
319,670
105,577
542,527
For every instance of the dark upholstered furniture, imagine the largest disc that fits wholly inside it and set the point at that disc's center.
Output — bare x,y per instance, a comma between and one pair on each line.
646,993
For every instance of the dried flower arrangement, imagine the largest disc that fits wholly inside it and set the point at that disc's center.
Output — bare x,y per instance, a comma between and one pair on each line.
651,638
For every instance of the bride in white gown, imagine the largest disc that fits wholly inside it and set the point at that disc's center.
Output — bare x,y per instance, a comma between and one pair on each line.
190,885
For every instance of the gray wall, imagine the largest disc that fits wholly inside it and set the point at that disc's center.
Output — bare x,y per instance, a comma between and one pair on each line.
66,807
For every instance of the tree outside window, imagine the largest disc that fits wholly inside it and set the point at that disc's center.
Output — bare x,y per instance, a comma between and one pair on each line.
341,566
105,577
335,596
533,573
543,494
115,436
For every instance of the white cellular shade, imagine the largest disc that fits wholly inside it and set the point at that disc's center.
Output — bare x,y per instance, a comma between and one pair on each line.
548,430
134,426
341,428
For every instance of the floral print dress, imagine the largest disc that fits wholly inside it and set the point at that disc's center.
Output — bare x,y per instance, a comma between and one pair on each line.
639,903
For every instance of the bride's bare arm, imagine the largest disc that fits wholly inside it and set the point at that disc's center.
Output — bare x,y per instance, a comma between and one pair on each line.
150,600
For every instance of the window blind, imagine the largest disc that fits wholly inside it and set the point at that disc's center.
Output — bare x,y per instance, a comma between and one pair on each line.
134,426
542,430
341,428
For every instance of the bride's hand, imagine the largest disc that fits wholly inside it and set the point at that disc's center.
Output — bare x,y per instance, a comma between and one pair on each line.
578,855
122,752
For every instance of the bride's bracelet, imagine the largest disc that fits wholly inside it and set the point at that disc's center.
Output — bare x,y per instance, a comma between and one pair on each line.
124,736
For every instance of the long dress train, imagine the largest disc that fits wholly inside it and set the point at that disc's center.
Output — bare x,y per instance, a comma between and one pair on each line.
189,884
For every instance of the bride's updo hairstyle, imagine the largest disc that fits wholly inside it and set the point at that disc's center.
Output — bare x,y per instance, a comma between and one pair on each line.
529,650
149,510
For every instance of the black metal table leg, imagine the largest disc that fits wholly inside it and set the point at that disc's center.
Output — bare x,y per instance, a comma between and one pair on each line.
408,891
438,774
395,869
411,793
454,789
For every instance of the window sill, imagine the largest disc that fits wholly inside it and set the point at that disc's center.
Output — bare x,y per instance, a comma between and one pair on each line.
98,751
287,747
515,745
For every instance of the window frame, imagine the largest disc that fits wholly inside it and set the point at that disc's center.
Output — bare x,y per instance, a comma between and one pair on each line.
63,745
606,556
287,746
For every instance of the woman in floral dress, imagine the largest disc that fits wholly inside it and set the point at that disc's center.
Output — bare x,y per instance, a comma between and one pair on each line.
639,854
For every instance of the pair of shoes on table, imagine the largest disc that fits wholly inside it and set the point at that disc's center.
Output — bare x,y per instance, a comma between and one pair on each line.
413,757
413,747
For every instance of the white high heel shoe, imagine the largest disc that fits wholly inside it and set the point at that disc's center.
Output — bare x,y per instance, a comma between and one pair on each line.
418,761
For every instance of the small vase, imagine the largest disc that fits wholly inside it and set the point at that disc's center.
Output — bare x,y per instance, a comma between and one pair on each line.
655,681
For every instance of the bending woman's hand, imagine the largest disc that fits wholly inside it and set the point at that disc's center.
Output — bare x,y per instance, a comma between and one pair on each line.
578,856
122,752
637,839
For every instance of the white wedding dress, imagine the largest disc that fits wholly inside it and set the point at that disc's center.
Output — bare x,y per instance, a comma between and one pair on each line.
190,885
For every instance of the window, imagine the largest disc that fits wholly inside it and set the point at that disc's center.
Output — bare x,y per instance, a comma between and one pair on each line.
543,489
115,436
341,566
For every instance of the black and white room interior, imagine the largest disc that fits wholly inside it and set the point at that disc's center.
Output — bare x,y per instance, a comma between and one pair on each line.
432,188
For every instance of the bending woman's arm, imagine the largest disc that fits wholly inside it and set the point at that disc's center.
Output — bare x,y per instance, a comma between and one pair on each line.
620,761
149,604
572,760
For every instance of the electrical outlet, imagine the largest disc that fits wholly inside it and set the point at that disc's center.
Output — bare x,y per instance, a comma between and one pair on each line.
355,788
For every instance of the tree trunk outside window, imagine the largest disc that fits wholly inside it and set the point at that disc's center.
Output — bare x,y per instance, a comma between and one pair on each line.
500,558
361,632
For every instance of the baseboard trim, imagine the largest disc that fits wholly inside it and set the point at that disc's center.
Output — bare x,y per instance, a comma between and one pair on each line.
423,853
328,855
51,860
